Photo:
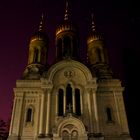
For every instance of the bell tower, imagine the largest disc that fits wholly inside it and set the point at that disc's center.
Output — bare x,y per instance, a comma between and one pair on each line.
66,38
38,53
97,53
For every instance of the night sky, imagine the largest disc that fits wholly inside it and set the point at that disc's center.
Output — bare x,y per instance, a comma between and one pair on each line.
119,20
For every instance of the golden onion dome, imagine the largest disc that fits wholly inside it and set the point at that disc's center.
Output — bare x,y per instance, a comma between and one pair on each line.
66,25
40,34
94,34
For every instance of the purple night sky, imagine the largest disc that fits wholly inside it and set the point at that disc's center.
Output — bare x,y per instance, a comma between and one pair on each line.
118,20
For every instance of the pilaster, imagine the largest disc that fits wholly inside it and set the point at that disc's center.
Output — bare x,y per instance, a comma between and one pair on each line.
12,118
41,132
48,113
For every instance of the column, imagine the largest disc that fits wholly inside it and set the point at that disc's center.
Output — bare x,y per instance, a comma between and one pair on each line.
96,112
39,53
65,102
81,103
12,118
20,103
56,104
90,113
48,113
123,117
41,115
121,114
73,102
116,105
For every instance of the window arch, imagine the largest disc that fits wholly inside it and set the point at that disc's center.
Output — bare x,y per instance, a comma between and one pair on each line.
67,46
77,102
60,102
99,57
69,100
69,97
43,56
69,135
65,135
36,55
74,135
75,47
59,47
29,115
109,114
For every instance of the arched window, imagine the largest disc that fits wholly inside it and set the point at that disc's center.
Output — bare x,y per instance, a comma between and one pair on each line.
77,102
59,47
98,51
67,46
65,135
69,97
74,135
69,135
109,114
36,54
75,48
29,115
43,56
60,102
30,57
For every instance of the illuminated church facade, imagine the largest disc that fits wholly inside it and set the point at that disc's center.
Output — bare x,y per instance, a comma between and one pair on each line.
69,100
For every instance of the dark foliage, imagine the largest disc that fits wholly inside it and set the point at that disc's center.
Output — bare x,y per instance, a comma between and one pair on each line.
3,130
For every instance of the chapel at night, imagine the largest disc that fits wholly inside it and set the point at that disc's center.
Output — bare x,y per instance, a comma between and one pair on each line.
69,99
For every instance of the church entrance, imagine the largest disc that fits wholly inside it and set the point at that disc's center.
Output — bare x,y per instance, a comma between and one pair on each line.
70,128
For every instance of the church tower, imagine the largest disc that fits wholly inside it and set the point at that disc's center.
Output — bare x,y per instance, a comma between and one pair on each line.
38,51
67,38
68,100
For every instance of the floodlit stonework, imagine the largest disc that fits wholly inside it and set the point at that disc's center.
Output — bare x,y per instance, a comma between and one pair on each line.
69,100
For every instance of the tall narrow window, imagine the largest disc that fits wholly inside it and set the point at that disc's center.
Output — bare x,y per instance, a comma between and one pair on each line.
74,135
77,102
43,56
99,55
59,47
29,115
109,114
60,102
65,135
67,46
75,48
36,54
69,97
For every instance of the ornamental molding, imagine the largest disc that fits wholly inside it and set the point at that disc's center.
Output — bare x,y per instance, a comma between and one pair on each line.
28,83
69,73
68,66
45,84
70,120
110,89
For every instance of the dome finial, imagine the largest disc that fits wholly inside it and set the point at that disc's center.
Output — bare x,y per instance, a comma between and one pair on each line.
93,27
66,17
41,23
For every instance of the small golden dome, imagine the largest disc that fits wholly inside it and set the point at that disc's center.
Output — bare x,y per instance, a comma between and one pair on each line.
65,26
39,36
93,36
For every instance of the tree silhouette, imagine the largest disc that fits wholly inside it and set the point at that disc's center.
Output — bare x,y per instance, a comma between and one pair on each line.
3,130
